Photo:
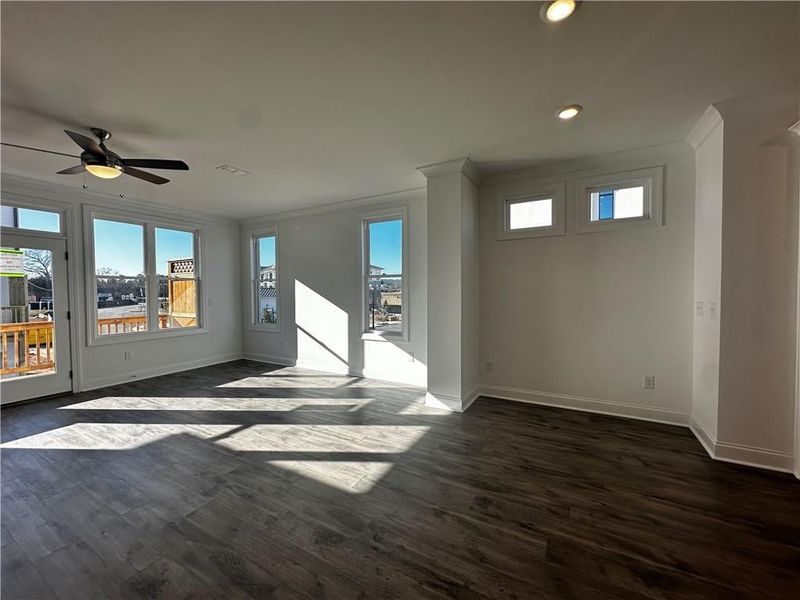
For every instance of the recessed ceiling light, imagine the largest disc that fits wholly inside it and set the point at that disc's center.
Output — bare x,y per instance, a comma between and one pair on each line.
568,112
557,10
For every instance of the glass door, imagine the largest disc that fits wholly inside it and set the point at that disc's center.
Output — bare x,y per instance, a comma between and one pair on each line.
34,328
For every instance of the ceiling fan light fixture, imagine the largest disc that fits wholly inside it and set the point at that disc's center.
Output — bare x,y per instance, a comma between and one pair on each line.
104,171
557,10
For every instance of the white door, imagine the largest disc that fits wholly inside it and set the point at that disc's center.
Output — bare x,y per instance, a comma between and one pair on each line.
34,318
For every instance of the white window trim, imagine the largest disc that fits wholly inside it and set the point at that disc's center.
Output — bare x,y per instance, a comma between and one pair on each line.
538,191
61,212
367,334
651,179
93,338
254,281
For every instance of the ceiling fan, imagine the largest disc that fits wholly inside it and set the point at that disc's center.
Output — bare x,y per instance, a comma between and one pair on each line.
101,162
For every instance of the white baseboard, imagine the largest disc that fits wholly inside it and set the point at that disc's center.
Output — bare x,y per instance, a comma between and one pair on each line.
585,404
93,384
750,456
266,358
452,403
703,435
329,368
734,453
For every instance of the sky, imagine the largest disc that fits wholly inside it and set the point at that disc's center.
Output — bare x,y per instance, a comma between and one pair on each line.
120,246
386,245
38,220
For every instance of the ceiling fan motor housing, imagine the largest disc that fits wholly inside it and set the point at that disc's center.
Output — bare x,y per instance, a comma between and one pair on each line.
88,158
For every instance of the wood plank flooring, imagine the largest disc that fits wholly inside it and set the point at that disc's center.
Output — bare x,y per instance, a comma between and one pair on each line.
249,481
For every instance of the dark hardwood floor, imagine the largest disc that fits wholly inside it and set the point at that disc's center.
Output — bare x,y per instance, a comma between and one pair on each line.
246,481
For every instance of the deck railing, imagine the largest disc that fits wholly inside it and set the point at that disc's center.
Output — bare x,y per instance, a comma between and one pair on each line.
109,325
26,347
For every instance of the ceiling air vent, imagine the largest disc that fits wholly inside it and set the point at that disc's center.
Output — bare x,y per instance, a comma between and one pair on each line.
233,170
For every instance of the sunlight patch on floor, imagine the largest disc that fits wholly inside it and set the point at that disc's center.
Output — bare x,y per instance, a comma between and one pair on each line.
236,437
324,438
221,404
110,436
338,474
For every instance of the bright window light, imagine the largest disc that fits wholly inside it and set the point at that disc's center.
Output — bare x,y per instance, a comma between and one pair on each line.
620,203
530,213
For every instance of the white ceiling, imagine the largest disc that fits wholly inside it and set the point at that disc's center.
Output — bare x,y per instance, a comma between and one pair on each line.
324,102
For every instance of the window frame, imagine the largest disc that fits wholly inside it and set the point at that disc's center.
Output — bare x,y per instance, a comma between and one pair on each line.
554,191
651,179
41,207
149,226
255,323
393,214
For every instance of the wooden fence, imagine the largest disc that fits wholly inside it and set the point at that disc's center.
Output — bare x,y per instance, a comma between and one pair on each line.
27,347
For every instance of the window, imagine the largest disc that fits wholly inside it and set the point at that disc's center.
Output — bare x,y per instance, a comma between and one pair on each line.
31,219
177,284
531,210
384,280
120,280
622,203
619,200
527,214
266,280
146,278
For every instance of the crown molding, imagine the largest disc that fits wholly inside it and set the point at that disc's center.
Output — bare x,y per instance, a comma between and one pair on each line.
459,165
795,128
351,204
704,127
21,187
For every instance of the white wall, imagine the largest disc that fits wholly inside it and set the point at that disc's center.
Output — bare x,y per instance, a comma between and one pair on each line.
98,366
320,324
759,280
577,320
707,272
470,292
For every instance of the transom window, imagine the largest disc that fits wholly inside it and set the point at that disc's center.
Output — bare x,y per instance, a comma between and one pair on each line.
31,219
531,210
525,214
146,278
385,292
631,199
621,203
265,280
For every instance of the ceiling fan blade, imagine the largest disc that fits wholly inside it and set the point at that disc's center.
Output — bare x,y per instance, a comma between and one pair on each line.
72,170
38,150
152,178
87,143
155,163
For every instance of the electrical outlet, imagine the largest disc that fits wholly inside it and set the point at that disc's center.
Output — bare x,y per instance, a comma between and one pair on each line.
128,355
649,382
698,307
489,366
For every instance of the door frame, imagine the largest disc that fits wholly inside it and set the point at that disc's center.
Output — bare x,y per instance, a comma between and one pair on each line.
43,385
20,197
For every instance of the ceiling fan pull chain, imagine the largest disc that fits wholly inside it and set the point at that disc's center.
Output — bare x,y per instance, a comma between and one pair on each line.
84,181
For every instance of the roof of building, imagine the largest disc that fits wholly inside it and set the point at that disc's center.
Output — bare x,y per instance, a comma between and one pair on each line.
268,292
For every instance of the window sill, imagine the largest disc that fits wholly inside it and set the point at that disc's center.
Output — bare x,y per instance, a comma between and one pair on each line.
264,328
141,336
374,336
